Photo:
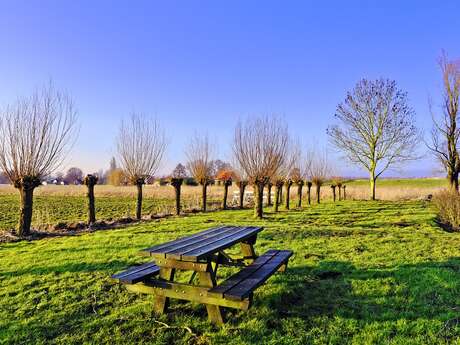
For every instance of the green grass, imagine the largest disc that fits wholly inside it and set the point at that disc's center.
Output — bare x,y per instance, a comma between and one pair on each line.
51,210
362,273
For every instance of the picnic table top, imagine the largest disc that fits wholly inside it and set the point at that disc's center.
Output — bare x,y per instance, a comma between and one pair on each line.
204,244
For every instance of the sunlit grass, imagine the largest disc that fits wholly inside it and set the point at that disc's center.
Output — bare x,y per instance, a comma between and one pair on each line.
363,273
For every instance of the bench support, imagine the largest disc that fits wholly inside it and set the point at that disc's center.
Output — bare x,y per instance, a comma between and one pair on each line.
162,302
247,249
208,279
186,292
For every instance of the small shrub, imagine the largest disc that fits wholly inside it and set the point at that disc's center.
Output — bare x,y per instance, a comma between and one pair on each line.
448,205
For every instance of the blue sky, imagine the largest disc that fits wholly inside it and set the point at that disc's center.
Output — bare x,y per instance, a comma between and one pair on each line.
200,66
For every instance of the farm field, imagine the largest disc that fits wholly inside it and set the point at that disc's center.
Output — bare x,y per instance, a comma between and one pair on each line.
55,204
363,273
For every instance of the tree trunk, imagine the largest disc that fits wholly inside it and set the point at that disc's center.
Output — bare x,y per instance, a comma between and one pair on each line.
204,187
91,204
241,187
309,193
177,184
269,194
372,180
224,202
453,180
333,192
288,193
318,193
339,186
344,193
25,216
276,202
299,194
280,197
259,189
139,201
90,181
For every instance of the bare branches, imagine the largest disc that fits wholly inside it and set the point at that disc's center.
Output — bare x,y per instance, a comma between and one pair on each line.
260,147
319,169
445,133
141,145
37,133
200,155
376,127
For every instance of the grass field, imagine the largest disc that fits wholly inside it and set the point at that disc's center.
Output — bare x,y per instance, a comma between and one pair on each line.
363,273
55,204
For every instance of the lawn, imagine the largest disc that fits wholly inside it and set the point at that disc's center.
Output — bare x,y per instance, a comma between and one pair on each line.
362,273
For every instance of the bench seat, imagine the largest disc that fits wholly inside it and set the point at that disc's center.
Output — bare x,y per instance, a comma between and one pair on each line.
136,274
242,284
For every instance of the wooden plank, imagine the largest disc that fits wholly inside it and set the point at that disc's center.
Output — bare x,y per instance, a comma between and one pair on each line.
137,273
241,275
177,253
201,253
246,286
183,265
186,292
161,248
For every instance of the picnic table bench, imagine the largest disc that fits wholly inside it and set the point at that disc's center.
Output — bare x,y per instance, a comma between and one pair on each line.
202,254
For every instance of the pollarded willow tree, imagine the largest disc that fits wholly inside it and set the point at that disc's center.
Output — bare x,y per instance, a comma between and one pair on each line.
318,172
141,145
376,128
445,134
36,135
200,162
260,147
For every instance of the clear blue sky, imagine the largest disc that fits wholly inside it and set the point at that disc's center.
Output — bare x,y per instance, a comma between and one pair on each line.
199,66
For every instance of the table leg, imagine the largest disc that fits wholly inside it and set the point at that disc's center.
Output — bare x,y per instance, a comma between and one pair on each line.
247,249
161,302
208,279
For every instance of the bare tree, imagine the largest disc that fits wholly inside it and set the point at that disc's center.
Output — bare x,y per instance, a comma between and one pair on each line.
141,145
319,171
260,148
445,133
200,162
36,135
376,127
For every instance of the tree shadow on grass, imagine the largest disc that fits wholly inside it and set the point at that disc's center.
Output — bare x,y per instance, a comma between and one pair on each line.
72,267
418,294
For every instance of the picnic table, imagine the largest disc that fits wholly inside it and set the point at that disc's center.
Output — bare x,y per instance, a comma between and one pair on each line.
202,254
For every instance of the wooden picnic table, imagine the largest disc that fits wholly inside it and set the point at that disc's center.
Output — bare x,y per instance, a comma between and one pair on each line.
202,254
